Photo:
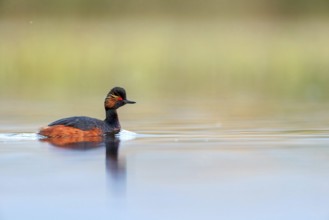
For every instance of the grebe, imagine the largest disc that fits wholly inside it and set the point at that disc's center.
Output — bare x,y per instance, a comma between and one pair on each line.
82,126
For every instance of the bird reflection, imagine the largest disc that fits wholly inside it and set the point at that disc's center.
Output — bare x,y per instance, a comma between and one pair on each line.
115,167
76,143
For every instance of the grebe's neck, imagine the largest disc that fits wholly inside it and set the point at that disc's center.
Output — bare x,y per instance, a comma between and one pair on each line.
112,118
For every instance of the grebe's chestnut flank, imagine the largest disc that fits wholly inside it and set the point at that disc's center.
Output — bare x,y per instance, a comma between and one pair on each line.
82,126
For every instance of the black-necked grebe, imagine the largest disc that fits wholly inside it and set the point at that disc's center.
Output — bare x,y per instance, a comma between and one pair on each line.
82,126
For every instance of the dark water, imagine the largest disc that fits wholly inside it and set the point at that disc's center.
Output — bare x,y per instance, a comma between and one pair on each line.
199,164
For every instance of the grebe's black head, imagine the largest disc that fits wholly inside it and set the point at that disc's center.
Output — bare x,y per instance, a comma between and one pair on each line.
116,98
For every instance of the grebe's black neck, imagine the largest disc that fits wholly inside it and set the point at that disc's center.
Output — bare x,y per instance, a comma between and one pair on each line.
112,118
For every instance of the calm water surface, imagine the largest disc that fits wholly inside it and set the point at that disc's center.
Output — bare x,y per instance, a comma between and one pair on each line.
192,163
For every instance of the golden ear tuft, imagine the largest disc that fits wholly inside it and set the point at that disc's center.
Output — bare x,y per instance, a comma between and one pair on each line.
110,101
114,96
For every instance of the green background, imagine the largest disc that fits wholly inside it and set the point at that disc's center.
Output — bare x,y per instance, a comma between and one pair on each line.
223,50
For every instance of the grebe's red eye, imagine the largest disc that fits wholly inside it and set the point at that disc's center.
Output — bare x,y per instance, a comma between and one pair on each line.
119,98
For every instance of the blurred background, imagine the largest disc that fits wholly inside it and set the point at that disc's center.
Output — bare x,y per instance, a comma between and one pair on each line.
235,50
231,115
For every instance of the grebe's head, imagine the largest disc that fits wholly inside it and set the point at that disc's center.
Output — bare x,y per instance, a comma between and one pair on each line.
116,98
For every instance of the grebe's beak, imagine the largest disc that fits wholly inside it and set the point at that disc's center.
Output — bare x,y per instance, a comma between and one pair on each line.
128,102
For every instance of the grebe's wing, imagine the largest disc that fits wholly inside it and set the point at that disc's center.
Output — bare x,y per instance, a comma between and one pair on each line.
80,122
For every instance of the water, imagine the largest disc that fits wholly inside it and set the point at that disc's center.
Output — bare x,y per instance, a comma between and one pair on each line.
209,162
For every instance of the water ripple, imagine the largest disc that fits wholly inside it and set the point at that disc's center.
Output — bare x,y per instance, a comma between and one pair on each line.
4,137
124,135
